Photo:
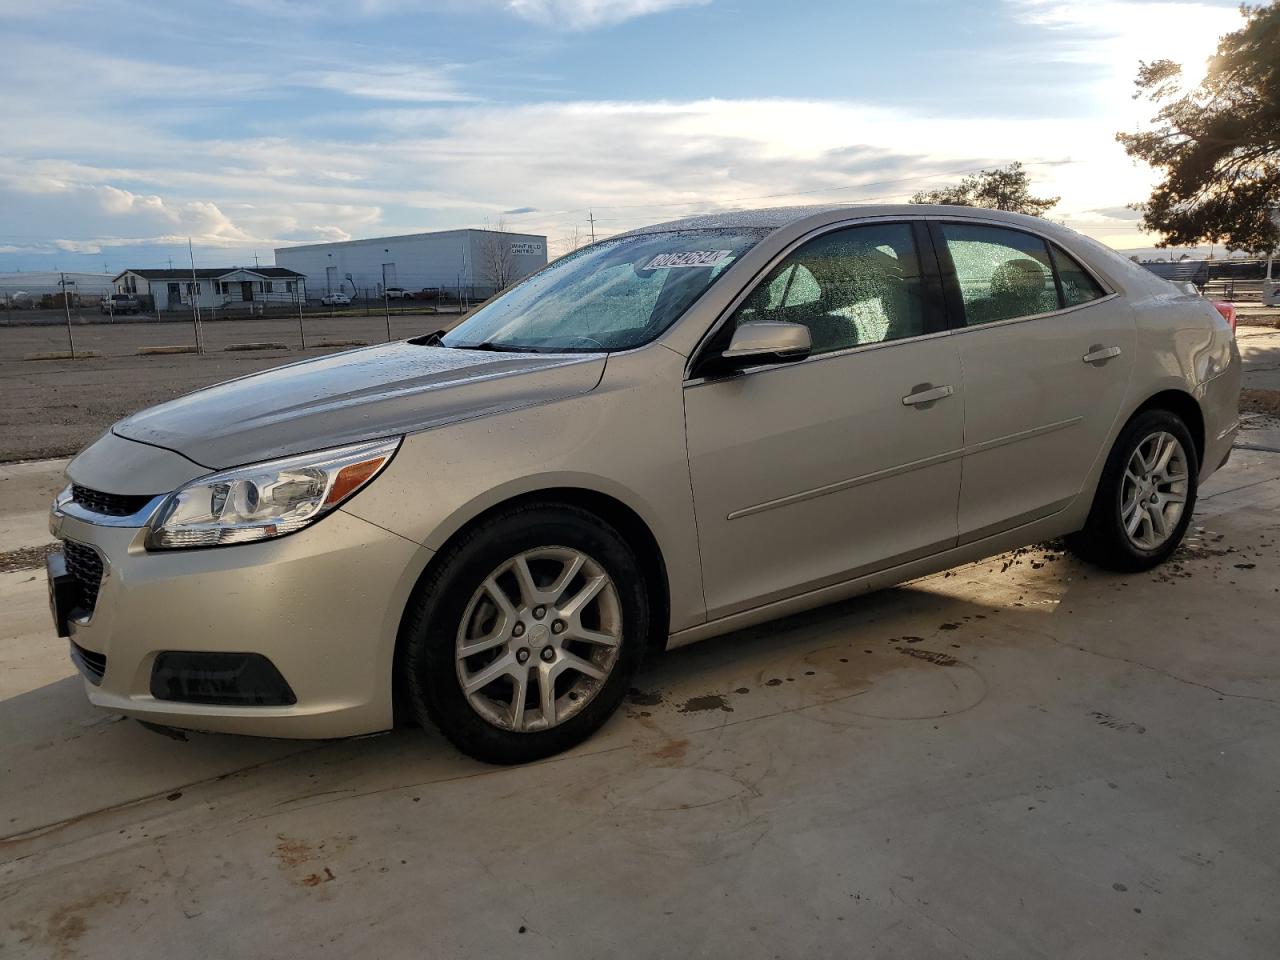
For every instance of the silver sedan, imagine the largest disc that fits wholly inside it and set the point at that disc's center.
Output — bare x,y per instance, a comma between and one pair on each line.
663,437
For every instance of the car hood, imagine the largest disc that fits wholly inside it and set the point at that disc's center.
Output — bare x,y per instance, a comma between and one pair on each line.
348,397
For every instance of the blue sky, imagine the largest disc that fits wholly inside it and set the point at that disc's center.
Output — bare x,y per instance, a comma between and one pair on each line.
129,125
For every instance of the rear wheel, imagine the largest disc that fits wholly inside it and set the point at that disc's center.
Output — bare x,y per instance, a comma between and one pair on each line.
1145,498
523,641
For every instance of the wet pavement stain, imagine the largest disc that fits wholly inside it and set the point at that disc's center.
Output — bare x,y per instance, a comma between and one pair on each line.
941,659
671,750
1115,723
643,698
709,701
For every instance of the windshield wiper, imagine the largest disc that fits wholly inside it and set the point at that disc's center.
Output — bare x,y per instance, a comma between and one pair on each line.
435,339
495,347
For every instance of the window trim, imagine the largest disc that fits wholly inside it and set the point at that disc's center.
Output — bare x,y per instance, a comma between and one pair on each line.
936,306
951,280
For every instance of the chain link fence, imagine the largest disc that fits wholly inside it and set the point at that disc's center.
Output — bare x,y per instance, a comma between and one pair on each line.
20,307
1236,280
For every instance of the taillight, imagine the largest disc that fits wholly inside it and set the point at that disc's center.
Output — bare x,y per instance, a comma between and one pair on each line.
1228,311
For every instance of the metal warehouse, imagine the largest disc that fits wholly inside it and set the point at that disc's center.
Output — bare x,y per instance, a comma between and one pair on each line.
463,263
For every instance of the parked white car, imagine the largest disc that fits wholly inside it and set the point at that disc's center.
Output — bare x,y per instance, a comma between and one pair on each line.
336,299
397,293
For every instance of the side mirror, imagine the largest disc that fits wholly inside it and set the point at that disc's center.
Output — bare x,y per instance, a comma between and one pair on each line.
767,342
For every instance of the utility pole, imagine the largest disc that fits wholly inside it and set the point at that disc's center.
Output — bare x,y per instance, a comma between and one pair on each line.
591,216
66,306
301,331
195,299
386,306
255,259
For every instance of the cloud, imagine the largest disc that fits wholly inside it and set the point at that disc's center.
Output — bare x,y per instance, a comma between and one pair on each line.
1118,213
554,14
388,82
587,14
1113,35
443,165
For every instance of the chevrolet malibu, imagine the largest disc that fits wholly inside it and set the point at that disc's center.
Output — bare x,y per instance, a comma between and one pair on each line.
663,437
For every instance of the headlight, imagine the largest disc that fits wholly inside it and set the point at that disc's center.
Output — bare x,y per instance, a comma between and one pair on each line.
266,499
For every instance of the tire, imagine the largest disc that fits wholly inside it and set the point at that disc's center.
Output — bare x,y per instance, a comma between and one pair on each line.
1105,540
457,600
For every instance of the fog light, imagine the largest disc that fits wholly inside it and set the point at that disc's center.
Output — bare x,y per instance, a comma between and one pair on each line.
228,679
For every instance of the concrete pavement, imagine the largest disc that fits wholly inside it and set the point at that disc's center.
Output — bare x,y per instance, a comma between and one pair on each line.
1260,350
26,490
1020,758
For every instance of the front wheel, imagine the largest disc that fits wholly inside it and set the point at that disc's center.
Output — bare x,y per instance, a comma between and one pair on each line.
1145,497
524,639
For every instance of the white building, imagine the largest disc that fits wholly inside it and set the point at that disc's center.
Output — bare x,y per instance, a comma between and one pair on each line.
231,287
475,263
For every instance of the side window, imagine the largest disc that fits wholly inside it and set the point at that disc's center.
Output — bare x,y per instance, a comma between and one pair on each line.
1003,274
1077,285
849,287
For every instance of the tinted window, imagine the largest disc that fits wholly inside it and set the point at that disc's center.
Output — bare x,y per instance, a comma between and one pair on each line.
1003,274
850,288
1077,285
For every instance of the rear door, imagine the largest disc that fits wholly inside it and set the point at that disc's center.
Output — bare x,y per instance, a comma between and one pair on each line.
810,473
1047,352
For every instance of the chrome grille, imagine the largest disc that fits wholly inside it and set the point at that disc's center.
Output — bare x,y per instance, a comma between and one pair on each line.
85,565
108,504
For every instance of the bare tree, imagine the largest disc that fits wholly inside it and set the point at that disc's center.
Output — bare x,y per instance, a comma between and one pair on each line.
496,257
573,241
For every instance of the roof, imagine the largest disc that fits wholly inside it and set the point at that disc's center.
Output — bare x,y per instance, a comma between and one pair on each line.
210,273
402,236
774,218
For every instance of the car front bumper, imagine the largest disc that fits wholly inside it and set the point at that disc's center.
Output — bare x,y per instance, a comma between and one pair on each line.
323,606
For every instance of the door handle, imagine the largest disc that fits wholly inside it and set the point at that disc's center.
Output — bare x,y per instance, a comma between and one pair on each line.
925,393
1100,354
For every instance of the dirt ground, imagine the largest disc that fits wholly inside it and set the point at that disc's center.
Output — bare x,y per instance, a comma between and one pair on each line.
53,408
1261,401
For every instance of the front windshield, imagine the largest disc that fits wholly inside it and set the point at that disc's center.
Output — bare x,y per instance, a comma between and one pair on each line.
613,295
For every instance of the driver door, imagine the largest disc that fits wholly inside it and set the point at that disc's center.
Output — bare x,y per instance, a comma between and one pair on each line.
809,473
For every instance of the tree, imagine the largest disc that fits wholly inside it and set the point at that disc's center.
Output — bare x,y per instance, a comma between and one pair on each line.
1216,145
496,257
1004,188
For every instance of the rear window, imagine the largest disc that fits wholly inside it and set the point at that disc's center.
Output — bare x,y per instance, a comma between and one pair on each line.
1078,285
1003,274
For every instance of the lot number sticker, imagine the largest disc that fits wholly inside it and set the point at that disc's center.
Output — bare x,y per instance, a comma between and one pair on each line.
690,258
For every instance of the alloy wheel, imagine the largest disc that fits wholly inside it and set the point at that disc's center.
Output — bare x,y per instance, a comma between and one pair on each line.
539,639
1153,493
